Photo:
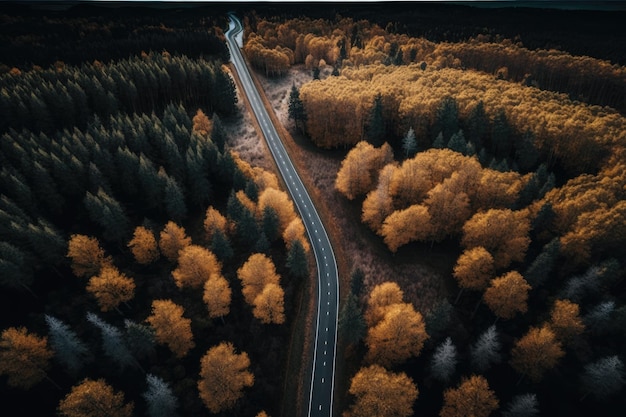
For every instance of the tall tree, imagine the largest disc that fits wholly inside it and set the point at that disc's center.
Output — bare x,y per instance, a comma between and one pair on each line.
604,377
173,198
68,349
111,288
172,240
15,270
86,255
446,118
536,352
257,272
409,143
297,111
139,338
223,376
217,295
94,399
269,305
107,212
486,351
392,394
144,246
170,327
380,298
297,261
524,405
474,269
472,398
351,322
24,357
376,129
444,360
220,246
507,295
160,398
113,343
565,320
195,265
541,268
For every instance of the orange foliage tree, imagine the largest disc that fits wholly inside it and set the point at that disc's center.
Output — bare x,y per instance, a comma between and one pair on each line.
24,357
382,296
507,295
536,352
111,288
202,124
172,240
223,376
269,305
86,255
404,226
217,296
359,169
565,320
94,399
472,398
280,202
195,265
214,220
474,268
170,327
144,246
379,392
257,272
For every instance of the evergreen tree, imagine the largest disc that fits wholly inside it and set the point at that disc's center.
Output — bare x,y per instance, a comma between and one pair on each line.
67,347
446,118
357,279
252,191
160,398
541,268
150,182
105,211
501,142
270,223
376,129
526,154
296,108
438,320
15,270
443,362
218,134
139,338
297,262
439,143
477,125
457,143
604,377
220,246
599,318
262,245
316,73
409,143
46,242
486,351
173,198
351,322
112,342
525,405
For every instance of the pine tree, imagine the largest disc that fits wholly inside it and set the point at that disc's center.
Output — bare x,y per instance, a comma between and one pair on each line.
270,224
15,271
541,268
599,318
438,320
297,111
160,398
68,348
443,362
220,246
113,342
297,262
457,143
218,135
352,325
501,143
409,143
376,129
524,405
107,212
446,118
139,338
477,125
604,377
486,351
173,198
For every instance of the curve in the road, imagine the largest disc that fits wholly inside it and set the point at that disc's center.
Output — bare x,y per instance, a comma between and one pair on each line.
325,348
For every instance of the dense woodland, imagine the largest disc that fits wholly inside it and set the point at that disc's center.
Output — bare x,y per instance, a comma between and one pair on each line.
511,157
141,260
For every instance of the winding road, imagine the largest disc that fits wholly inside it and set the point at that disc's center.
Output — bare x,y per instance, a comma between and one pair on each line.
323,368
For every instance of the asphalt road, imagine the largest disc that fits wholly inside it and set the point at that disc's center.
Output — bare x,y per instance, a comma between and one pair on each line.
323,367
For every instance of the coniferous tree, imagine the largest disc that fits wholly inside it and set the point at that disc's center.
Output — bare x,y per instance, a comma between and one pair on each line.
477,125
443,362
297,262
46,242
107,212
351,322
500,135
376,130
113,342
541,268
446,119
270,223
409,143
160,398
457,143
173,198
68,348
599,318
220,246
438,320
15,271
139,338
218,135
296,108
524,405
486,351
604,377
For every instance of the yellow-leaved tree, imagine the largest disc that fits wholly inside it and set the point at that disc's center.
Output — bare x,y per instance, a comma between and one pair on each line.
507,295
214,220
195,265
565,320
474,269
111,288
536,352
172,240
94,399
170,327
472,398
24,357
257,272
223,376
86,255
217,295
359,169
269,305
144,246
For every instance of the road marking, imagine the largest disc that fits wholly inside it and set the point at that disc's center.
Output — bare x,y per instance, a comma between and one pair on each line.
327,313
327,329
320,407
323,378
324,363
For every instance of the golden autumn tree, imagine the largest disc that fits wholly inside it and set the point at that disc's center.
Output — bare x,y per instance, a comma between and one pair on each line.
379,392
507,295
172,240
223,376
24,357
295,231
474,269
86,255
257,272
536,352
170,327
214,220
408,225
144,246
398,336
382,296
449,207
280,202
565,320
217,296
472,398
195,265
111,288
503,232
269,305
378,204
202,124
94,398
359,169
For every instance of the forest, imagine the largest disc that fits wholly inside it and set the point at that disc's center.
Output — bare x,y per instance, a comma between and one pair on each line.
511,159
147,269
